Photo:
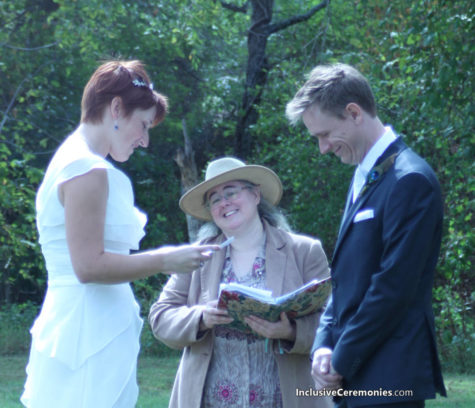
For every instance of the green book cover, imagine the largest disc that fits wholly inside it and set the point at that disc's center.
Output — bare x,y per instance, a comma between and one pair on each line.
241,301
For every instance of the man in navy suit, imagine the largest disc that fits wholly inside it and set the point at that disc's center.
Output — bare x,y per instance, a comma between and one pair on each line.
375,345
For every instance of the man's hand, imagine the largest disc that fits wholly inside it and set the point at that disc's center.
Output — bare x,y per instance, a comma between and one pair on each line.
323,372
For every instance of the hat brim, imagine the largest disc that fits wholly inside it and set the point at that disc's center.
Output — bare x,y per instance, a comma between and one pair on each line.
192,202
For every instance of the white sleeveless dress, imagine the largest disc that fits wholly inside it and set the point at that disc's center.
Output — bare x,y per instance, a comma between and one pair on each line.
85,341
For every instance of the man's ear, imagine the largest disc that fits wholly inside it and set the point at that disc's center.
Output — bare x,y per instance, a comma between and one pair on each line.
354,111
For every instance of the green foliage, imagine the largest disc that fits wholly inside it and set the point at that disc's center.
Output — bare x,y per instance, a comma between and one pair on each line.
22,274
15,323
149,345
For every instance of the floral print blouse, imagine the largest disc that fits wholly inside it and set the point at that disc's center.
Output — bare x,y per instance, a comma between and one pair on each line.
243,371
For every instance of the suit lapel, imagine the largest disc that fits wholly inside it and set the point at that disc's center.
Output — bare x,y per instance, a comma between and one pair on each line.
349,199
349,216
397,146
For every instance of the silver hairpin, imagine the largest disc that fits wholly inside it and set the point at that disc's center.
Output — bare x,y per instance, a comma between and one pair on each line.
138,82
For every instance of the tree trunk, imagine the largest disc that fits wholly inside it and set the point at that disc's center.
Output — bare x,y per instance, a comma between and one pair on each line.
185,158
256,74
258,65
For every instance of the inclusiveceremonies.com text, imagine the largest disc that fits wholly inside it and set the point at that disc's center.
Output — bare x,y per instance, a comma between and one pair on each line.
340,392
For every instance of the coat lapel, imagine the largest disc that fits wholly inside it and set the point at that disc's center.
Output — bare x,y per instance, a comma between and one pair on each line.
397,146
276,261
211,274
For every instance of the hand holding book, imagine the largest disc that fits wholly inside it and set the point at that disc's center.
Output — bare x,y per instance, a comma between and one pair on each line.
212,316
283,329
241,301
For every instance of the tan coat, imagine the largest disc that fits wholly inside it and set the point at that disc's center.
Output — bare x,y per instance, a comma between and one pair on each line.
291,261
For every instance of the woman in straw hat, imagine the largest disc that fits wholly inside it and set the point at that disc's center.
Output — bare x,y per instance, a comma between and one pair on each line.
222,366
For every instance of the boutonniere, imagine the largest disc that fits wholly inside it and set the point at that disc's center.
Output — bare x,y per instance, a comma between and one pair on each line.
377,171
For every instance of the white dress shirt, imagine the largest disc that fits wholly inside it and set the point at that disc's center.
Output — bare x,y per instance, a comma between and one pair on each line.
370,159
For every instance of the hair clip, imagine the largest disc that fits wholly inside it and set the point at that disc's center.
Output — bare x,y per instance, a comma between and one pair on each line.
141,83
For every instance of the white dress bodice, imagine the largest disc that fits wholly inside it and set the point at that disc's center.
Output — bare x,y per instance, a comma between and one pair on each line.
124,223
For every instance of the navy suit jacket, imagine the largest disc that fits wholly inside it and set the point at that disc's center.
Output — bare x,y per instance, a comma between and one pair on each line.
379,321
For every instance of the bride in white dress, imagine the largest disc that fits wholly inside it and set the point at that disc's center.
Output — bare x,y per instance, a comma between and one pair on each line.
85,341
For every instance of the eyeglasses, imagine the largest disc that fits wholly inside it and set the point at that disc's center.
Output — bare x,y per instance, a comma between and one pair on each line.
229,194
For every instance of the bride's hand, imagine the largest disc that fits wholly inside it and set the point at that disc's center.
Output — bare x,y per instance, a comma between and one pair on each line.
185,258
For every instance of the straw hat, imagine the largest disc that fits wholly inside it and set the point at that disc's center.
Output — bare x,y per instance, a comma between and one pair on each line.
229,169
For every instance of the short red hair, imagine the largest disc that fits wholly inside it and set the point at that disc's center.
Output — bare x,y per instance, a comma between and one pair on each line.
127,80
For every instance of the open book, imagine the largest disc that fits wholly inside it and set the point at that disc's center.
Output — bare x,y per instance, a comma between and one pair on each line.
241,301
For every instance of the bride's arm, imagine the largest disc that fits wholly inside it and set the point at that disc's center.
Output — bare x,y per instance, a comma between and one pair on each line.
84,199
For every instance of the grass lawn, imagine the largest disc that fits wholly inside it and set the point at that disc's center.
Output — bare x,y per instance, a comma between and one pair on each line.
156,375
155,378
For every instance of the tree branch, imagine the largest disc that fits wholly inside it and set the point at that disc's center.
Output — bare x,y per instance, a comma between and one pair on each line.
28,49
12,101
234,7
17,91
280,25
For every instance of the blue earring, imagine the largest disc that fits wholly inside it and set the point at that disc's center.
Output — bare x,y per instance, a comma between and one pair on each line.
116,126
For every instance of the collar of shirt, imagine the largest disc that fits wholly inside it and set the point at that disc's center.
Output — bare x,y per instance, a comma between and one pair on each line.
370,159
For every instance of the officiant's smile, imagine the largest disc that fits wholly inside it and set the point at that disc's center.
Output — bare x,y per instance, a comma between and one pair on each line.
234,205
